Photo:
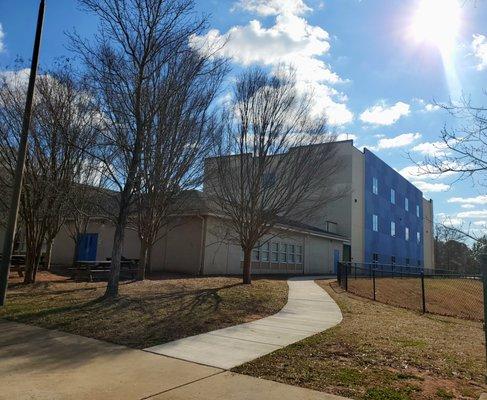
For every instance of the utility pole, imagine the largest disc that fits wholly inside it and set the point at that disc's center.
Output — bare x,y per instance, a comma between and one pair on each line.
8,243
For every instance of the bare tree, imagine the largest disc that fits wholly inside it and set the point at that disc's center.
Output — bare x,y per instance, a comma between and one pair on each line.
176,145
62,129
136,40
274,160
462,150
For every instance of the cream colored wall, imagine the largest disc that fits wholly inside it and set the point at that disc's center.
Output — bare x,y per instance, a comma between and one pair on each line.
223,254
428,235
357,201
63,247
180,247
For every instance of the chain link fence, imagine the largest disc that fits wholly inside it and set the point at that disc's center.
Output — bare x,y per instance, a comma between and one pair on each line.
434,291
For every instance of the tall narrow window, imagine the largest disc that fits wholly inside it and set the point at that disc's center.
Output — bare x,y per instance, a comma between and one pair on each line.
264,252
256,254
393,260
275,252
283,252
406,233
375,223
375,185
418,237
417,210
393,228
406,204
393,196
291,254
375,258
407,261
299,254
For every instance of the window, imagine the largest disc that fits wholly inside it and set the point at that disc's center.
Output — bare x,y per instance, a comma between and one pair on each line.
256,254
375,223
418,237
264,252
407,262
393,260
406,204
375,258
406,233
291,255
417,210
375,185
393,196
393,228
299,254
283,252
275,252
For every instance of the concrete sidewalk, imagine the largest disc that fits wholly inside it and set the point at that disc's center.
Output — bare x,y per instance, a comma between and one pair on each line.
309,310
49,365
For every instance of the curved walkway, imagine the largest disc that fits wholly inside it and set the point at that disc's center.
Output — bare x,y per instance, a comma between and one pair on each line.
309,310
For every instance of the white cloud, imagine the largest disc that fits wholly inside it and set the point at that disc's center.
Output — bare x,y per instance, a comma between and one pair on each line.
429,187
273,7
346,136
478,200
397,141
433,149
292,41
480,223
432,107
381,114
467,206
473,214
479,47
2,35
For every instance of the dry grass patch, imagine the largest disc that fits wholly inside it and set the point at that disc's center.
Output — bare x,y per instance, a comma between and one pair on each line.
455,297
146,313
380,352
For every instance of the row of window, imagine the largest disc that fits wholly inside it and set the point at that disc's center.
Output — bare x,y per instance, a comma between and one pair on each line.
278,252
375,190
375,228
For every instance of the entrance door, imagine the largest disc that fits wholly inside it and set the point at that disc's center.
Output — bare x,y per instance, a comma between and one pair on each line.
87,246
336,260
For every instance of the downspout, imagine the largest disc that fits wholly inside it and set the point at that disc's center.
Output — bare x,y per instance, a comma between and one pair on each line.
202,245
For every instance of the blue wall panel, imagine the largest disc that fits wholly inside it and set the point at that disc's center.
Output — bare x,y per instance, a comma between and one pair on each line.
382,242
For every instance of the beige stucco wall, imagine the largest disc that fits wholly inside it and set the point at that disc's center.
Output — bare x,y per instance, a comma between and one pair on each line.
180,247
223,254
63,246
428,234
357,201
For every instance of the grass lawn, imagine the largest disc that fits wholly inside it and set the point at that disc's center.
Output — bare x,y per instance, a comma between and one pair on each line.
454,297
146,313
380,352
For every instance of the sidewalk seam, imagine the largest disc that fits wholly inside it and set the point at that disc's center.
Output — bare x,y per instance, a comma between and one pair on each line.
182,385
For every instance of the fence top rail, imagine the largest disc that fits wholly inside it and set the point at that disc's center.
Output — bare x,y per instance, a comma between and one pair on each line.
404,270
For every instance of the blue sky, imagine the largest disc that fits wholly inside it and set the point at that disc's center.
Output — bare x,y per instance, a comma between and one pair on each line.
367,67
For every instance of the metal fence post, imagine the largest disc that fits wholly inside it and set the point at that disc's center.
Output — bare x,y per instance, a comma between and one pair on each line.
483,265
423,297
373,282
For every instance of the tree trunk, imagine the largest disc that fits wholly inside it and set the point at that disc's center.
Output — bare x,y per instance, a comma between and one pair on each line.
112,286
30,260
47,259
247,278
142,261
148,263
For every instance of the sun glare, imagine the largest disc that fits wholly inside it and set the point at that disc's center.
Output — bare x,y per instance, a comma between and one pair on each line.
437,22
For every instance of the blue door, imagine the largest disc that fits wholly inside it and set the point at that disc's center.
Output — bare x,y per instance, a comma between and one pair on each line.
336,260
87,246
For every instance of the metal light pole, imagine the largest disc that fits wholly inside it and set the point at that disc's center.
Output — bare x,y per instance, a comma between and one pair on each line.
8,243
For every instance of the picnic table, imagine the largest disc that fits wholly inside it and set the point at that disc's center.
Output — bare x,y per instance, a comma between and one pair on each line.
17,263
100,270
